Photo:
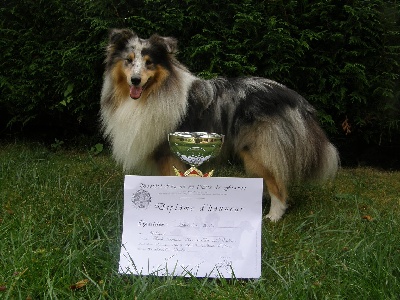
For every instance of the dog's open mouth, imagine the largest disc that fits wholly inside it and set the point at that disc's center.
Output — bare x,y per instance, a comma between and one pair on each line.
136,91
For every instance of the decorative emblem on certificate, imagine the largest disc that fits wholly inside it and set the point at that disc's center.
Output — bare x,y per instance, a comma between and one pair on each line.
141,199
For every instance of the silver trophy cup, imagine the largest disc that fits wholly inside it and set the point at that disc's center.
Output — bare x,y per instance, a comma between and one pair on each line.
195,148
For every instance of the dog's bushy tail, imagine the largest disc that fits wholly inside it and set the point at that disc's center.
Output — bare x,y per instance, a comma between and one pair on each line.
329,164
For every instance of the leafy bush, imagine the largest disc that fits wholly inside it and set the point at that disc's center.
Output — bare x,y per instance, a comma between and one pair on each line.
50,66
341,55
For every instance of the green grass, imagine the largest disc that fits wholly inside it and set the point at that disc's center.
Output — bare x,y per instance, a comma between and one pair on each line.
61,222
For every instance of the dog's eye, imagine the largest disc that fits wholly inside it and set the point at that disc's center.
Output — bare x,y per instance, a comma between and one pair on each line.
149,62
129,60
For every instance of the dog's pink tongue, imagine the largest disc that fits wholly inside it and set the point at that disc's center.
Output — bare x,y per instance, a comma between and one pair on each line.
135,92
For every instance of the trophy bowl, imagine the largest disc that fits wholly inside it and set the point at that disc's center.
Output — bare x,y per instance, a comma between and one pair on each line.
195,148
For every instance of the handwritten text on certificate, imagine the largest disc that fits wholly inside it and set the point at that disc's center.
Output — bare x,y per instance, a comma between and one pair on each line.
192,226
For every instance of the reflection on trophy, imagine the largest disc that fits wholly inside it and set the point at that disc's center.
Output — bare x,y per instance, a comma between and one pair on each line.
195,148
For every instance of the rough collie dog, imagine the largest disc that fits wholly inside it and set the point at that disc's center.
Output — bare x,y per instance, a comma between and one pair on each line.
147,94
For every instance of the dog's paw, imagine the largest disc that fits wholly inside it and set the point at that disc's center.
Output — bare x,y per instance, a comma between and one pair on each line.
276,210
273,217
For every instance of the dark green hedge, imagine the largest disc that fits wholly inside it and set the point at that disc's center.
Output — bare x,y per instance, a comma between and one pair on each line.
342,55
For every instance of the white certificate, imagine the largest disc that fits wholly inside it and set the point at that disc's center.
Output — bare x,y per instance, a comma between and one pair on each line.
192,226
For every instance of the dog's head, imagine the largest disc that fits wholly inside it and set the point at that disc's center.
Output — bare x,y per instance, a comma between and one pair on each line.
139,65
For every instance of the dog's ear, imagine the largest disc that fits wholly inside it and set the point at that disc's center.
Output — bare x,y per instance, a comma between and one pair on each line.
120,36
170,43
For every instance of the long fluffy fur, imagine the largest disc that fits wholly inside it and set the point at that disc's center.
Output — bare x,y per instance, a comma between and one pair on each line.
269,126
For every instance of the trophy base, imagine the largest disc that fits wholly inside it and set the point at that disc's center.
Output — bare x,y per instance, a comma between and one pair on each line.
192,172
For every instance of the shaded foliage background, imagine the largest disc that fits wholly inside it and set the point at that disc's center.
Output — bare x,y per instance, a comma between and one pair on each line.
343,56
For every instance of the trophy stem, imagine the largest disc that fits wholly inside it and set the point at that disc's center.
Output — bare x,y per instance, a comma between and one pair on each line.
192,172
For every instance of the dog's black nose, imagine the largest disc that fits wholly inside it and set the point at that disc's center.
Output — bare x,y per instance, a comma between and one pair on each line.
136,80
